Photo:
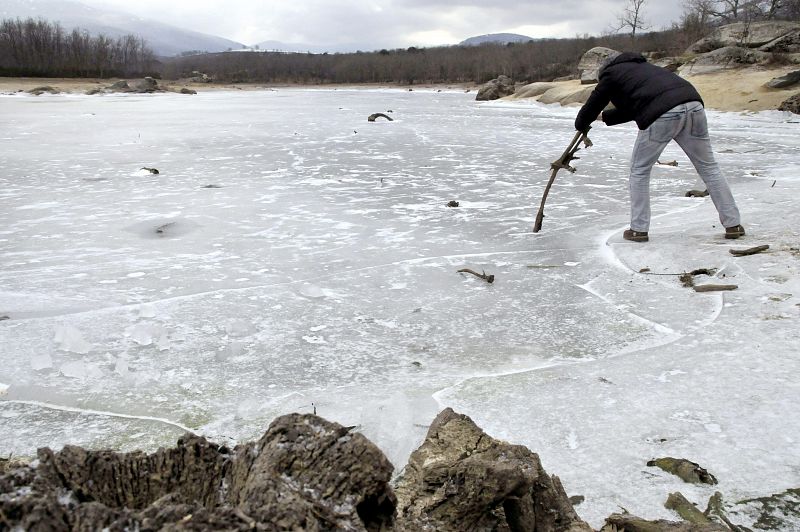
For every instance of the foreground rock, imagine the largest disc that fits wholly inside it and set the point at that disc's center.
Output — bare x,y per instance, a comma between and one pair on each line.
463,479
792,104
496,88
305,473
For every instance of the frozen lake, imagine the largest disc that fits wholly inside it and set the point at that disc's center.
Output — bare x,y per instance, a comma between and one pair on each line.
291,256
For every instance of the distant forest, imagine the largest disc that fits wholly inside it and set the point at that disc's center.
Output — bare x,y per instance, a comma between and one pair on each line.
528,61
39,48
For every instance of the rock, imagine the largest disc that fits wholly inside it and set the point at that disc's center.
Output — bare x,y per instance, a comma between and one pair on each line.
688,511
147,85
782,82
452,203
589,64
684,469
566,94
749,35
566,78
724,58
780,511
184,90
462,479
533,90
631,523
670,63
791,104
44,89
787,44
496,88
119,86
305,473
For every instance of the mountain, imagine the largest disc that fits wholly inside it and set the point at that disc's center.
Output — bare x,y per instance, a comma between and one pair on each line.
279,46
495,38
163,39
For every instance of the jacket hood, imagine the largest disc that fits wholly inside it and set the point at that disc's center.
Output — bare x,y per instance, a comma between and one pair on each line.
625,57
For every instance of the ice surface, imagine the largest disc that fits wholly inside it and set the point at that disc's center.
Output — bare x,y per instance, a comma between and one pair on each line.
292,256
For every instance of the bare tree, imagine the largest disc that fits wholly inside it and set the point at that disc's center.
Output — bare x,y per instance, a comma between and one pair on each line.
632,17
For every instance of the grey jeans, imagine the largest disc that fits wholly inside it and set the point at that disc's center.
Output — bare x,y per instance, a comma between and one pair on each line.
686,124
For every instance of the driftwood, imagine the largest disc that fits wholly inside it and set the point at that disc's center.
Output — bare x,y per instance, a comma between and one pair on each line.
748,251
373,116
668,163
686,470
561,162
488,278
688,511
687,279
715,287
151,170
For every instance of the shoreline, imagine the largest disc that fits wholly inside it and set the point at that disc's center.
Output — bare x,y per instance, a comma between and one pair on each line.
731,90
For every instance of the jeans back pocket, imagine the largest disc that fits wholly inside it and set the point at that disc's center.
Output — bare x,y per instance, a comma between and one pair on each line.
699,123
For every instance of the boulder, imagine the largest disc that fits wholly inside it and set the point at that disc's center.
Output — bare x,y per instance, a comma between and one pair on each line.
782,82
147,85
589,64
496,88
532,90
748,35
792,104
44,89
787,44
462,479
119,86
184,90
305,473
724,58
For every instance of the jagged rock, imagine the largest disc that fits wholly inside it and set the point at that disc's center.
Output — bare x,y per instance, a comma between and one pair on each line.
780,511
463,479
791,104
496,88
184,90
749,35
723,58
589,64
305,473
787,44
782,82
670,63
684,469
631,523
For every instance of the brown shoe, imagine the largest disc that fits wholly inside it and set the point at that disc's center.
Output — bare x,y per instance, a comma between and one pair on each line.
734,232
635,236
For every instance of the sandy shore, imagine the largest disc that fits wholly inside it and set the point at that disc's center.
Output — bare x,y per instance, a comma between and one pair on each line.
80,85
739,89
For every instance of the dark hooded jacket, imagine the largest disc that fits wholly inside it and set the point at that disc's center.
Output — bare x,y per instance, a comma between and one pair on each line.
639,91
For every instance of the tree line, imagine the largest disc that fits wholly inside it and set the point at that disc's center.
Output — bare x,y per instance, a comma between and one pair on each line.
534,60
41,48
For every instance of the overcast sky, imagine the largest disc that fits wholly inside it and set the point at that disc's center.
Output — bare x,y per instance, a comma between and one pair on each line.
389,23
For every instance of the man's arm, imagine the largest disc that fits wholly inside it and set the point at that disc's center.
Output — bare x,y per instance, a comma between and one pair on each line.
615,116
594,105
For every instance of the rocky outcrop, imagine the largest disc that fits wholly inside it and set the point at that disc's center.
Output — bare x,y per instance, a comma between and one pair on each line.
305,473
792,104
38,91
723,58
631,523
768,34
496,88
590,62
463,479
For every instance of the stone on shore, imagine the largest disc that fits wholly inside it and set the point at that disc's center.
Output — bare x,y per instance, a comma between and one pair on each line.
590,62
791,104
787,80
750,35
496,88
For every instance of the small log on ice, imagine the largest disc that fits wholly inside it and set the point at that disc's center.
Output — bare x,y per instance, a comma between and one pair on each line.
748,251
374,116
488,278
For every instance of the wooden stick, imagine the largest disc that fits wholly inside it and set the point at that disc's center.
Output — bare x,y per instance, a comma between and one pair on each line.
488,278
715,287
748,251
561,162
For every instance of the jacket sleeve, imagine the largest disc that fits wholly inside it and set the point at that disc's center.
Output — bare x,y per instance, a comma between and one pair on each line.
612,117
596,102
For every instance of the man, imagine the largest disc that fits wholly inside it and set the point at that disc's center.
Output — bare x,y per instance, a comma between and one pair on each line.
665,107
